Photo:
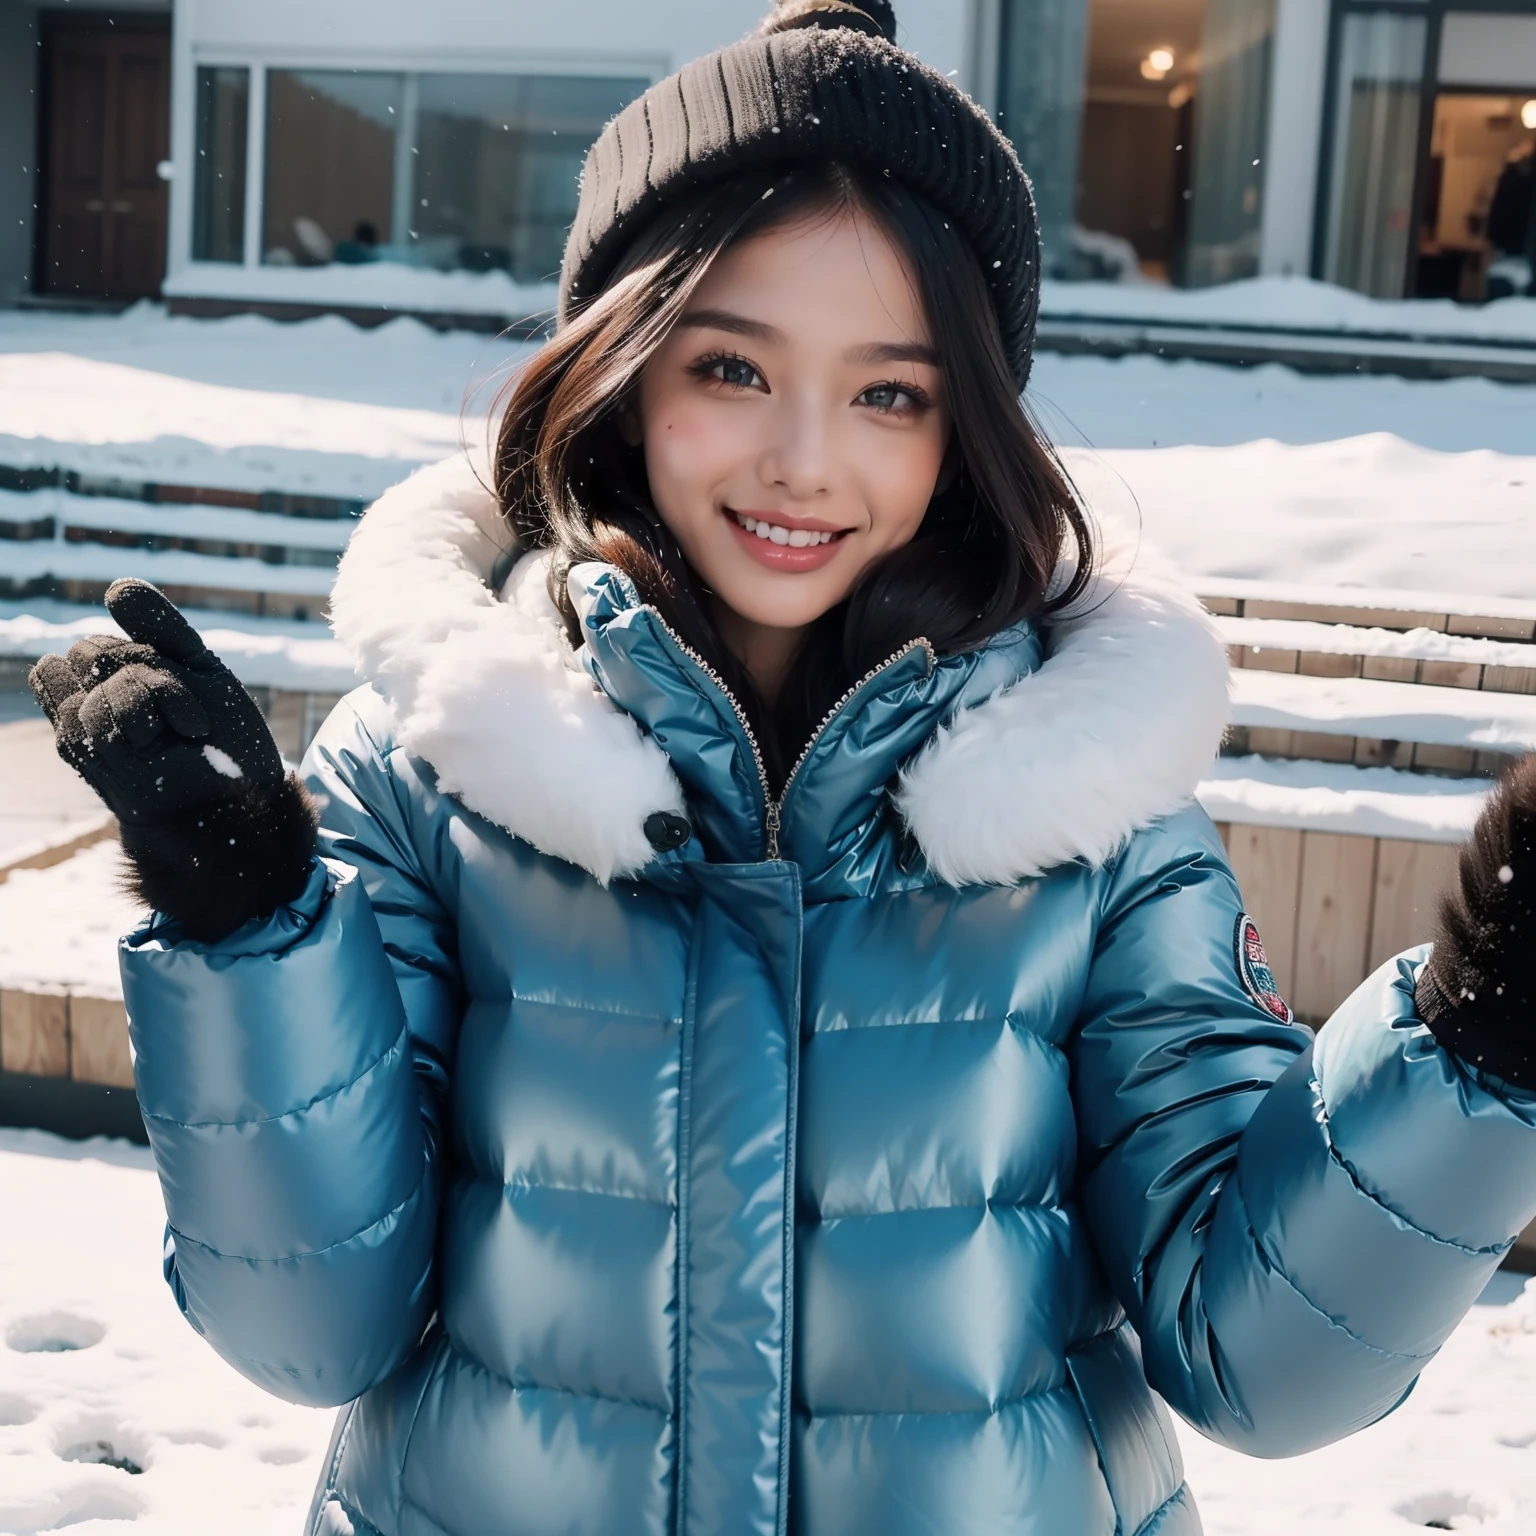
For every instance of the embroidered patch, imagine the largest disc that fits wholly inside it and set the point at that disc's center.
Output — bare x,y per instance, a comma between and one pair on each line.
1253,967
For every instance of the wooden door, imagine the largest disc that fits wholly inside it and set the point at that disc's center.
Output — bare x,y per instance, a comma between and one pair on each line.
109,127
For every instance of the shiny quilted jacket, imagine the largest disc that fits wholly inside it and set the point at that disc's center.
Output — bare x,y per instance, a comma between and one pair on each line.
779,1185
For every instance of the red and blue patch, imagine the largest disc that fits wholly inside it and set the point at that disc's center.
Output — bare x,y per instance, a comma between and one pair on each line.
1253,969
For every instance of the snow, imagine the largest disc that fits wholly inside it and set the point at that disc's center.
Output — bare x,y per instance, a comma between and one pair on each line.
135,423
178,520
1261,475
94,1355
1339,797
1355,706
262,653
1335,520
369,285
1285,303
1293,303
1152,402
27,561
1350,640
59,927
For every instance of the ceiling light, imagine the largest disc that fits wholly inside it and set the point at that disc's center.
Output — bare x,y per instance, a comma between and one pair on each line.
1528,114
1161,58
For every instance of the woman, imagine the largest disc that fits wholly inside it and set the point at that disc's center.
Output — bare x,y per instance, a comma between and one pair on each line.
771,1041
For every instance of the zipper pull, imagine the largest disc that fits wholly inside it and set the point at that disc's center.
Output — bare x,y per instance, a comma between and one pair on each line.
772,830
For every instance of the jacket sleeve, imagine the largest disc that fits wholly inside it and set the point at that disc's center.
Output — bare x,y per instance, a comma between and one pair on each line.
291,1078
1293,1225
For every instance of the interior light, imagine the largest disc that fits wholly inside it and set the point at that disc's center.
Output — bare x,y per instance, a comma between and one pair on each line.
1528,114
1157,64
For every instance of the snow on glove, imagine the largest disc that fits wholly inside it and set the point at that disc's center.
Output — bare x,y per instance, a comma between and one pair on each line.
164,732
1478,991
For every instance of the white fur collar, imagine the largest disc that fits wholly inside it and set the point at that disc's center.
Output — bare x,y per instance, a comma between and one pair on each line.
1113,731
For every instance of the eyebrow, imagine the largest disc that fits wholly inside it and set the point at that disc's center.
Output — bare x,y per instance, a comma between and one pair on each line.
758,330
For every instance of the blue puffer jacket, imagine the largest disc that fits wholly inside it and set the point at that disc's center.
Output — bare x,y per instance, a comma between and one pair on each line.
863,1167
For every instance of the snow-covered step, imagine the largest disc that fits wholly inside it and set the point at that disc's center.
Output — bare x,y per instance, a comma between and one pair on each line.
1342,867
1453,610
1365,721
64,516
1387,655
81,572
1342,797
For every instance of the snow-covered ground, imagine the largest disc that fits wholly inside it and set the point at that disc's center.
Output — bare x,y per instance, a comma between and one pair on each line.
98,1367
113,1411
1284,303
59,927
1294,303
1363,483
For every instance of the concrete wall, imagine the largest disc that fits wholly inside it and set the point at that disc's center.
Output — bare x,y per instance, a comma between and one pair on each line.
18,146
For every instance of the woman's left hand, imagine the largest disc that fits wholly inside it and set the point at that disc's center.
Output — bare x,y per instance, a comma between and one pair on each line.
1477,993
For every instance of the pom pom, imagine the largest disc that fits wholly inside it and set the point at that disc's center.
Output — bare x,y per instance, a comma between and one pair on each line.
875,18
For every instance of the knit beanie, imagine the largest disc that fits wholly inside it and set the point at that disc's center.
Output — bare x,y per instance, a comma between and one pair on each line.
821,80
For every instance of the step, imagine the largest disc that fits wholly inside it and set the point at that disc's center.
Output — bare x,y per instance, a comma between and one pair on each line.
52,515
1411,656
81,573
1364,721
1370,608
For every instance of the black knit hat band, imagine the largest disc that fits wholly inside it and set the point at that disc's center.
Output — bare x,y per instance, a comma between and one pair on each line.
814,89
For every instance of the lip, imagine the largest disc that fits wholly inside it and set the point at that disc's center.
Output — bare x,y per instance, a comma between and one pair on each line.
783,557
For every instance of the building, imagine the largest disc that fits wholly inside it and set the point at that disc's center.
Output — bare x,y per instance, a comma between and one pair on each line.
378,156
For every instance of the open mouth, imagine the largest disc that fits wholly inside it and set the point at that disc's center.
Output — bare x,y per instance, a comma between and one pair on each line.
783,535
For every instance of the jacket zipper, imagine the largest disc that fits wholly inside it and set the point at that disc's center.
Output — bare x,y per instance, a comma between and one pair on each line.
774,808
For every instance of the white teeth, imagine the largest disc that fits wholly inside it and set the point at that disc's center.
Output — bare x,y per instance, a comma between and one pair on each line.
795,538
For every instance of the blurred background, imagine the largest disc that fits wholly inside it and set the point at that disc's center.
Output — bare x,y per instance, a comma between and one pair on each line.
222,153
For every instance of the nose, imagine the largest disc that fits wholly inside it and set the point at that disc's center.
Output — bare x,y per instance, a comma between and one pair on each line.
798,457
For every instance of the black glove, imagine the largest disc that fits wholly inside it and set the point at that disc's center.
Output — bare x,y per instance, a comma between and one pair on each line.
1478,991
164,732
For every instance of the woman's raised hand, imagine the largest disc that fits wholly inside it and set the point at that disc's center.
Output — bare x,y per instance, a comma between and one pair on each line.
1478,991
156,724
164,732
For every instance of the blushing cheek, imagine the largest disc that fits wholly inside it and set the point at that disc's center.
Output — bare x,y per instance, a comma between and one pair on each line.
684,453
902,487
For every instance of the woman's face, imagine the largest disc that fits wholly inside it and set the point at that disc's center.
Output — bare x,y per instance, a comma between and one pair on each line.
794,422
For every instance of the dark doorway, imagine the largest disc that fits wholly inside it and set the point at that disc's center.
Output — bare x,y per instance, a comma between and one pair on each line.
1477,234
107,128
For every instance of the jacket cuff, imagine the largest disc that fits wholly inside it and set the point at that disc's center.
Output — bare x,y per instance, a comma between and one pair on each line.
1476,1034
215,869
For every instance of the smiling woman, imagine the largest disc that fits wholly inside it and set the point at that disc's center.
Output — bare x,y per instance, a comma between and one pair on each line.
785,470
772,1044
790,421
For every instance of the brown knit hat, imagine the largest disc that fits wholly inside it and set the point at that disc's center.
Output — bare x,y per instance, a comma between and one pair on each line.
821,80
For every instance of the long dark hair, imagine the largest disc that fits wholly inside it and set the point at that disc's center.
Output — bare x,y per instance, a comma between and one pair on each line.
987,551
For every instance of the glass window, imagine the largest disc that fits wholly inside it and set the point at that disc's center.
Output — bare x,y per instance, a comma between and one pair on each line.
1142,124
332,141
218,219
1040,108
498,162
1230,131
1376,109
475,171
